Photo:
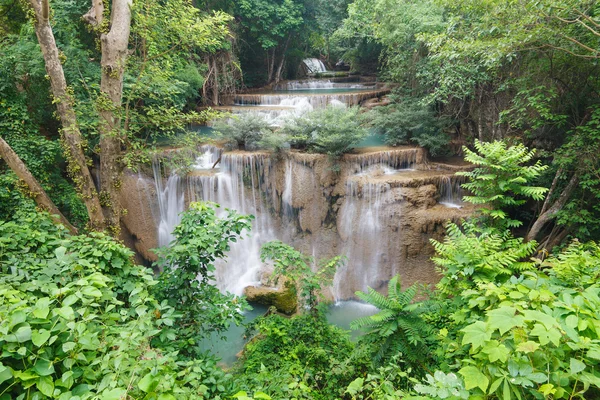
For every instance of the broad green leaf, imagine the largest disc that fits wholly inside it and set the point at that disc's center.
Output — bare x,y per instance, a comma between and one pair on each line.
42,308
148,383
572,321
355,386
504,319
474,378
43,367
65,312
476,334
40,337
576,366
23,334
68,346
594,353
546,336
91,291
45,384
261,395
114,394
166,397
538,316
528,347
496,351
5,373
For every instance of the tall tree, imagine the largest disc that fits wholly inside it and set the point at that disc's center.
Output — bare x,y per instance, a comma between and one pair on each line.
63,98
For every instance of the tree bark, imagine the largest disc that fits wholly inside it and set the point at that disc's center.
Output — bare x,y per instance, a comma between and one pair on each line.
114,57
282,62
549,212
73,143
215,81
35,189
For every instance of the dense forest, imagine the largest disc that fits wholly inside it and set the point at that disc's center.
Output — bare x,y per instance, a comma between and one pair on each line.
90,92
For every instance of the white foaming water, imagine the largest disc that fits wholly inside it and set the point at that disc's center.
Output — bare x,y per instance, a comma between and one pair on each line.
288,189
310,85
314,65
239,186
170,204
361,221
450,191
208,158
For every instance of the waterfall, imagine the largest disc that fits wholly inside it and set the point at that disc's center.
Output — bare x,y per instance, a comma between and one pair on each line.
314,65
288,190
450,191
389,160
349,98
170,203
323,84
241,185
361,223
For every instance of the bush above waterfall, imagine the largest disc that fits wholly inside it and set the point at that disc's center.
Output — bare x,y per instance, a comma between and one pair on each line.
243,131
333,130
409,121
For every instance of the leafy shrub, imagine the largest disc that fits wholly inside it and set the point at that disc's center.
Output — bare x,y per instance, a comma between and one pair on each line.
301,357
409,121
332,130
188,271
243,131
77,318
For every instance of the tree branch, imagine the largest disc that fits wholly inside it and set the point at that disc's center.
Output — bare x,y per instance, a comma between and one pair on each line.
36,190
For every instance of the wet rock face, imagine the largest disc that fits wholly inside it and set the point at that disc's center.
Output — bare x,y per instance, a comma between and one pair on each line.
138,197
379,209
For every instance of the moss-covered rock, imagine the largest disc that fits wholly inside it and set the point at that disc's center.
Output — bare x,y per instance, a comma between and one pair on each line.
284,299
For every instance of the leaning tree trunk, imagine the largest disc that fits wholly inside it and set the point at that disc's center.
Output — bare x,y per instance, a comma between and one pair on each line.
549,211
114,56
35,189
71,136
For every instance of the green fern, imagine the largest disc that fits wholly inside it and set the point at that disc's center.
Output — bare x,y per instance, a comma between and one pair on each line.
501,179
471,255
398,326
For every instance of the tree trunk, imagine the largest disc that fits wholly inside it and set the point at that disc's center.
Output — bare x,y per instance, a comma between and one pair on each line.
282,62
271,61
548,213
35,189
215,82
71,136
114,56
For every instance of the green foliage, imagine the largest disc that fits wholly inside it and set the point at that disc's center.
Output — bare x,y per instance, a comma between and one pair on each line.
188,267
295,266
409,121
77,318
388,382
301,357
398,327
244,131
470,255
501,178
332,131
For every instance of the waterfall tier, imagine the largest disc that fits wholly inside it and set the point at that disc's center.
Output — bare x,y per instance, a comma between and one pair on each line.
380,222
351,98
314,65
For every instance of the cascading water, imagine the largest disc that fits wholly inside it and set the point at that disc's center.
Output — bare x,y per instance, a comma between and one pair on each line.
170,203
314,65
361,220
450,191
240,185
